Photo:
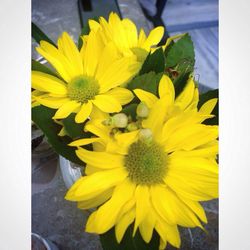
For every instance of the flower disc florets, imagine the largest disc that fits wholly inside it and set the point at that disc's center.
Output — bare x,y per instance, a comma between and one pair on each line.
83,88
146,162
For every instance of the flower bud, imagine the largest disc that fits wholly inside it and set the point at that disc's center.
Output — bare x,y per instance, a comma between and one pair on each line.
132,126
107,122
142,110
145,133
120,120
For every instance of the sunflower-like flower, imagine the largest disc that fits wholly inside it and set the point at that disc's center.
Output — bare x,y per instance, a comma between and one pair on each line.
154,176
86,79
123,33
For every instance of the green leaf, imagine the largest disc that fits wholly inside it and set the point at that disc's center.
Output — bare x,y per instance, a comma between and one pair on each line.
180,60
180,82
42,117
182,50
204,98
148,82
154,62
42,68
108,241
130,110
73,129
39,35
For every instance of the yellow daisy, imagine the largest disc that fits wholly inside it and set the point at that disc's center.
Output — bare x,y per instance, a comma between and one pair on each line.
88,78
123,33
154,176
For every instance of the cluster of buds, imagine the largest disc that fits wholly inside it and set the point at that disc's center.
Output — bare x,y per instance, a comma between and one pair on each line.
122,121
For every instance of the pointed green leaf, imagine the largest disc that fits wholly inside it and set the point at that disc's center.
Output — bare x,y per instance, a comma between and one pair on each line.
148,82
39,35
182,50
128,242
42,117
154,62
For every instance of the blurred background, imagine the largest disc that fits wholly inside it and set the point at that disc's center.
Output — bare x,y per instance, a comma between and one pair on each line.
57,222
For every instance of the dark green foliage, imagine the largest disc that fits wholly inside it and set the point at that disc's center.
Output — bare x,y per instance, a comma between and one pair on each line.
148,82
154,62
42,117
128,242
39,35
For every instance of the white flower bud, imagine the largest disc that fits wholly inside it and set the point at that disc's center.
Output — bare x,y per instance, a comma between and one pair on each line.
145,133
142,110
120,120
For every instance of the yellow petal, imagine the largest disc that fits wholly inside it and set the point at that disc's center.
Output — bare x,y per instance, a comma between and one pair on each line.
69,49
122,95
154,37
196,208
160,203
48,83
108,56
123,224
94,25
66,109
142,205
166,88
208,106
186,96
84,112
172,209
117,73
207,150
183,119
130,32
51,102
82,142
101,160
57,60
122,193
90,225
92,53
193,178
156,117
97,114
142,38
97,128
188,138
146,97
168,233
107,103
89,169
92,185
96,201
147,226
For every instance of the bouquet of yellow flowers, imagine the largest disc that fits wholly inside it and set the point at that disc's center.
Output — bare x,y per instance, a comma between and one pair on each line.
129,111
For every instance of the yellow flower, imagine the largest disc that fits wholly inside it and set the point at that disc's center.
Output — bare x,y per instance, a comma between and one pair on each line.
123,33
154,176
89,78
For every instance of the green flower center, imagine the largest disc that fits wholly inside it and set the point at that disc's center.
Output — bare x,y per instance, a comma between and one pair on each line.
146,162
83,88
